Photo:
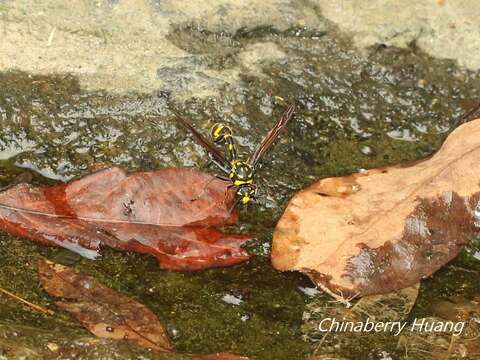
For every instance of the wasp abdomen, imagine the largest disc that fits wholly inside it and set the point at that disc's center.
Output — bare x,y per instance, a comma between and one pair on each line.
220,132
223,134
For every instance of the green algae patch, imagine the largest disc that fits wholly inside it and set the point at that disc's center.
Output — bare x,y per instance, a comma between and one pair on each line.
18,342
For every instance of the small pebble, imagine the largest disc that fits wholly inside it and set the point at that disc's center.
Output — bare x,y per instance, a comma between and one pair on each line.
366,150
232,300
172,331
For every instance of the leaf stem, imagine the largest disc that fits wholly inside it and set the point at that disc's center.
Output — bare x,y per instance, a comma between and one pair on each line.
28,303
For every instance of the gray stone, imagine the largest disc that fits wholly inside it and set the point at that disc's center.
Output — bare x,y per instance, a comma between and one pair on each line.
124,45
447,29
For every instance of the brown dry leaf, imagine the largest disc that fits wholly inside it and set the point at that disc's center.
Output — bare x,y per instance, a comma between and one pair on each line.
384,229
103,311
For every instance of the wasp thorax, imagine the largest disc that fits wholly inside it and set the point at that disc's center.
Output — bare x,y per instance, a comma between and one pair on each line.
242,176
241,173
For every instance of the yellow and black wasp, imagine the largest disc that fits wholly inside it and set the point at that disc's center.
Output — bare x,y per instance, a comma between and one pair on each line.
240,173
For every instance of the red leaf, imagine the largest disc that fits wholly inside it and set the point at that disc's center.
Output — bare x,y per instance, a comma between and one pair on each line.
173,214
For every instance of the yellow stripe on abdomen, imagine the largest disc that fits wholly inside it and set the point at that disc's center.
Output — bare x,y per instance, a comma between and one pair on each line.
217,131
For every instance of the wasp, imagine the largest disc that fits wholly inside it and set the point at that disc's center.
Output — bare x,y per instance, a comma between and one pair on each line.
240,173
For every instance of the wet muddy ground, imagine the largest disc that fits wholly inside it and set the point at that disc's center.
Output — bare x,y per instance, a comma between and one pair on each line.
356,109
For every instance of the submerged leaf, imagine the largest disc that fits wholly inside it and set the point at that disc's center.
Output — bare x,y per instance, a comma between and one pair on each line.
391,308
436,345
173,214
385,229
109,314
220,356
457,335
103,311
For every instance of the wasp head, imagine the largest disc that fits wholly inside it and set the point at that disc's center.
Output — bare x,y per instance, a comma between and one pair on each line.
247,193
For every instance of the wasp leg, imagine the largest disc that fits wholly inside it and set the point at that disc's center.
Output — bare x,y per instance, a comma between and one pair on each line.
203,190
226,195
225,169
221,167
267,186
235,203
223,178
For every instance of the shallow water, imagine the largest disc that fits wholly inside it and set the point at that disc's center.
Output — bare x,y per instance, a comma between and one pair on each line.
355,110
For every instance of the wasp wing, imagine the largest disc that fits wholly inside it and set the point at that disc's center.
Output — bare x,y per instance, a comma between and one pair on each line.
268,140
217,156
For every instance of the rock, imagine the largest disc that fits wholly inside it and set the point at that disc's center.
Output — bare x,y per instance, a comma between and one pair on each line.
443,29
123,46
384,229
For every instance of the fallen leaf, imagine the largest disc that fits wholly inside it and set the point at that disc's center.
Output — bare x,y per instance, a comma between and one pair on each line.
173,214
444,343
385,308
456,308
103,311
384,229
109,314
